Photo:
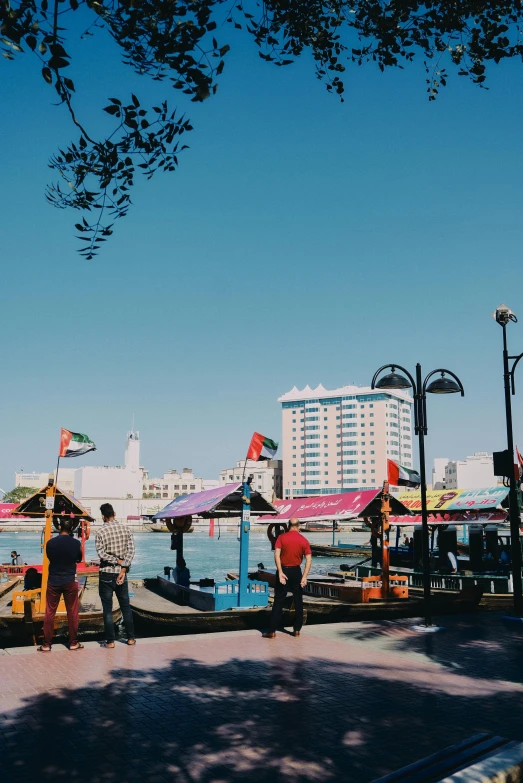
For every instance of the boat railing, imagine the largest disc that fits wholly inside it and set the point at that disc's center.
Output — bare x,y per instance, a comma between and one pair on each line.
489,582
231,587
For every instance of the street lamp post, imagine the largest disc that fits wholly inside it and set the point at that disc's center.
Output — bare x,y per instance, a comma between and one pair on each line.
503,315
420,388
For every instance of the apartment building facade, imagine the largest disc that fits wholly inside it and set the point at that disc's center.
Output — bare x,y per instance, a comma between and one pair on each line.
339,440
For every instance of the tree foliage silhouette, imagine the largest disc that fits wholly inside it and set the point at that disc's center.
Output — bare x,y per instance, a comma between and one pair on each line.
177,41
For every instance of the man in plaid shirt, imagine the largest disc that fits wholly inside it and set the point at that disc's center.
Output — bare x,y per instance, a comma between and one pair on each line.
115,548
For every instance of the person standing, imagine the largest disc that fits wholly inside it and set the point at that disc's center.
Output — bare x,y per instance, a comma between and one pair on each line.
289,551
64,552
16,559
115,548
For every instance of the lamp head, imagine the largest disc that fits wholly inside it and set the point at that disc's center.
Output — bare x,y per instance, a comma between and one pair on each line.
503,314
393,380
443,385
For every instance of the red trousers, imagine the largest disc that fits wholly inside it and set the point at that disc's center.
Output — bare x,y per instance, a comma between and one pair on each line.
70,593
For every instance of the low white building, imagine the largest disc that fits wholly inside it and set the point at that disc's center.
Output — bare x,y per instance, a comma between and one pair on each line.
268,476
473,472
112,482
172,484
38,480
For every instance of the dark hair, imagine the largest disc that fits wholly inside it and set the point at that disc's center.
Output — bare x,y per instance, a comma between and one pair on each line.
107,510
14,552
65,525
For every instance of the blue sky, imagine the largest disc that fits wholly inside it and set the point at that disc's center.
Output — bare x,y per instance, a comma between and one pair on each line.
301,240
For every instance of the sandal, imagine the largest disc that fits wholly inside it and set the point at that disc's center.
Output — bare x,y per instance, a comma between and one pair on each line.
131,642
44,648
107,645
76,646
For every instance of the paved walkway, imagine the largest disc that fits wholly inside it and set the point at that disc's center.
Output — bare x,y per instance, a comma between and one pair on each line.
344,702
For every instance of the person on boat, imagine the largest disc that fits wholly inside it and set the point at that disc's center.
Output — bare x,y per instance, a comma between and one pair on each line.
16,559
181,573
32,579
289,551
453,562
115,548
64,552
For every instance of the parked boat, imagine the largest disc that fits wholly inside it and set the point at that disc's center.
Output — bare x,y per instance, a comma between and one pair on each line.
155,614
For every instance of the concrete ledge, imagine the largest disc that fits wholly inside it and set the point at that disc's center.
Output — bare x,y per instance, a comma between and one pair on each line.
503,767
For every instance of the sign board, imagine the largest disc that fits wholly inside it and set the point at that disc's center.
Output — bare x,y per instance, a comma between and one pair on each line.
49,504
246,515
455,499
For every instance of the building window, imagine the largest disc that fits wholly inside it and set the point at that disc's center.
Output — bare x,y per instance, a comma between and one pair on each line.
165,494
184,486
192,486
294,474
294,437
293,483
177,486
294,447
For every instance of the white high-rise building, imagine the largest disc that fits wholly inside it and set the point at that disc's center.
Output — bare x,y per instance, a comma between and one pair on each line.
339,440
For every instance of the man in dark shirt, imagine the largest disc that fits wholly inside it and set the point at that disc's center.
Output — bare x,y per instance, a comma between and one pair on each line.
64,552
289,551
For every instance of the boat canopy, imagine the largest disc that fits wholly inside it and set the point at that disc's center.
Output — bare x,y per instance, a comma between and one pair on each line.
349,505
64,505
221,502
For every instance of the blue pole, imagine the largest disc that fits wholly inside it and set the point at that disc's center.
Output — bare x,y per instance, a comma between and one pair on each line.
245,527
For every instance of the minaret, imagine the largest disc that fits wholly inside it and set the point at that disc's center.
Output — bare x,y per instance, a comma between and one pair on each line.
132,451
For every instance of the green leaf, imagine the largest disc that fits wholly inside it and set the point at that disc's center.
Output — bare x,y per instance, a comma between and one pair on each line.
58,62
112,110
31,42
46,73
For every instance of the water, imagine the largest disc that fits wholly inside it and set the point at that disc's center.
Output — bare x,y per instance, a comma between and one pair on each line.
205,556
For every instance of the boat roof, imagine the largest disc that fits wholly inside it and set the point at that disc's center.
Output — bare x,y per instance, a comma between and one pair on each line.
223,501
64,505
349,505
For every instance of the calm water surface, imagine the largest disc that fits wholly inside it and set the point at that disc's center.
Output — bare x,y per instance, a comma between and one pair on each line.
205,556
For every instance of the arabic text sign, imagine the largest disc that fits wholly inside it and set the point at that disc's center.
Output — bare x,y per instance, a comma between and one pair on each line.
455,499
349,505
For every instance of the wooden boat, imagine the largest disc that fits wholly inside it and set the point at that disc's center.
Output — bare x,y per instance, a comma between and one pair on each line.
26,628
335,599
495,588
156,615
158,527
344,550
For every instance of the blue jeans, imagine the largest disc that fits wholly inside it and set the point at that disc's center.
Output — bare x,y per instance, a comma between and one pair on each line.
107,586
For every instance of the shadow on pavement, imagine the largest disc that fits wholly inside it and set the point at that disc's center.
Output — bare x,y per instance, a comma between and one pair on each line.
251,720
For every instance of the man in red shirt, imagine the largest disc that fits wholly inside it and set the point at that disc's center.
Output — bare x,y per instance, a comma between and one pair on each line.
289,551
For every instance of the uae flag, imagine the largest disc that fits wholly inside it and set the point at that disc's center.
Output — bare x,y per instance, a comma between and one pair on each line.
399,476
74,444
261,448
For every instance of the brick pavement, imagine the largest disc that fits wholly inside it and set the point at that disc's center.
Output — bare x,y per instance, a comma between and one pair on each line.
347,702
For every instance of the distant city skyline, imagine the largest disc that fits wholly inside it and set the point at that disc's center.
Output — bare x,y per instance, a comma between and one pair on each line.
301,241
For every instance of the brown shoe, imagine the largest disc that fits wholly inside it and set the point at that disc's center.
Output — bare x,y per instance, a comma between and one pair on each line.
296,633
269,635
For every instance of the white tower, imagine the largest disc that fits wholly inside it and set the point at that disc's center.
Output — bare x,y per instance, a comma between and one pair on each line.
132,451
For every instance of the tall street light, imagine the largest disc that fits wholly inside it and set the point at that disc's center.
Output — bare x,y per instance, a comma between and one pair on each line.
503,315
441,385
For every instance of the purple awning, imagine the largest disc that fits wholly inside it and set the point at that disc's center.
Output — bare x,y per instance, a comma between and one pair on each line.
224,501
